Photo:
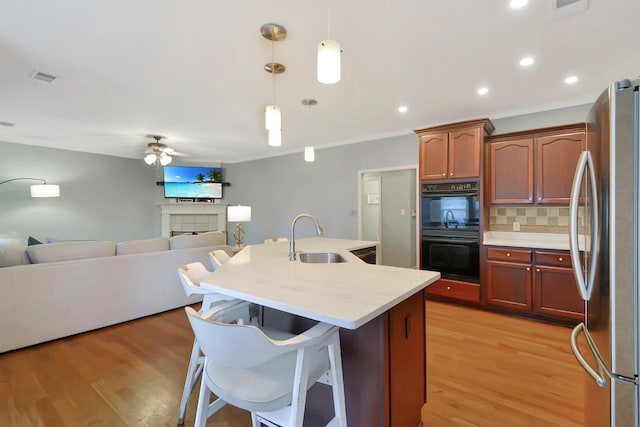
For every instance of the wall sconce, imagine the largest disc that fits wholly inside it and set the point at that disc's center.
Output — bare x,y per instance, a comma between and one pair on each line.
39,190
239,214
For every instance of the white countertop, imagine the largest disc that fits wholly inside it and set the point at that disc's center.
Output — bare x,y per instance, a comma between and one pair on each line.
346,294
529,240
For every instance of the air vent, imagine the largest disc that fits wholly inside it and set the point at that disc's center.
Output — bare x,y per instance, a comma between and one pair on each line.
43,77
563,8
7,124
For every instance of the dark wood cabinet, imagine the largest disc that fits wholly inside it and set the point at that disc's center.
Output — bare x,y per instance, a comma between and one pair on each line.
533,281
511,171
556,160
534,166
454,290
509,280
452,151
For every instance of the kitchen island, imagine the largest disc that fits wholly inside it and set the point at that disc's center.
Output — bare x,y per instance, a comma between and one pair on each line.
380,308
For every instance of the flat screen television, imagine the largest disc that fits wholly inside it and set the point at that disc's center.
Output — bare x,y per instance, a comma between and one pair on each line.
192,182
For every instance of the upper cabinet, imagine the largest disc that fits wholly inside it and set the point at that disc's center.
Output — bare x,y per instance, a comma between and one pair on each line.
452,151
534,166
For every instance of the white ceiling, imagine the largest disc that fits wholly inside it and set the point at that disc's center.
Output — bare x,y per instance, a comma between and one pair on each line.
193,70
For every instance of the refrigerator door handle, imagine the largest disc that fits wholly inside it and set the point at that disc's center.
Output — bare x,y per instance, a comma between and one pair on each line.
585,287
603,371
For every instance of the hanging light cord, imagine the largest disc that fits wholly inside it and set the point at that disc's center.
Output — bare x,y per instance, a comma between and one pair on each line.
329,23
273,70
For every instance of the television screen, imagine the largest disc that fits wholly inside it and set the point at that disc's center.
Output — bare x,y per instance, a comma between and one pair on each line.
192,182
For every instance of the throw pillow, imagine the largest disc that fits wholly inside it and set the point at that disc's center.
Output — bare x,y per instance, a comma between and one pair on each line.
33,241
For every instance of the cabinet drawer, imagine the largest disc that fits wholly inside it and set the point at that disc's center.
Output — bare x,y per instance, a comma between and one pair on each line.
513,255
454,289
556,259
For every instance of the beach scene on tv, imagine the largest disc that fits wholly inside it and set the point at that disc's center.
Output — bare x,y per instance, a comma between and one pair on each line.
192,182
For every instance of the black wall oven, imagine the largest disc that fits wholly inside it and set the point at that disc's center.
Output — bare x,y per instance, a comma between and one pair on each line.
450,227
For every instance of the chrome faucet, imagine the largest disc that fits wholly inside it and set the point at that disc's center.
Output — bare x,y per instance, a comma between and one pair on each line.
292,240
449,221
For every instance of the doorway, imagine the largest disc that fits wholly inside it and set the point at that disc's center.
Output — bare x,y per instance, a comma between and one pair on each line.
387,212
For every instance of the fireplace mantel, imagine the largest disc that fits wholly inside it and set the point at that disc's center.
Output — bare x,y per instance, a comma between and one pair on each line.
216,210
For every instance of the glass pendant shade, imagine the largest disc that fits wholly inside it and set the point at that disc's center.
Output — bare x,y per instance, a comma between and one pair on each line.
165,159
272,118
309,154
328,62
275,137
150,159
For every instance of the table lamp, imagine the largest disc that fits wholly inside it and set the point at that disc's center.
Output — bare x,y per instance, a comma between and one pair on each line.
239,214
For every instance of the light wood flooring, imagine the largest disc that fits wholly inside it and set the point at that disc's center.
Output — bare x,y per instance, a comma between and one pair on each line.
484,369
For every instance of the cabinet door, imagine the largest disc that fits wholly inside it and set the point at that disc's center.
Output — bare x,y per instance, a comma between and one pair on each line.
555,293
433,156
509,285
556,160
511,171
407,366
464,153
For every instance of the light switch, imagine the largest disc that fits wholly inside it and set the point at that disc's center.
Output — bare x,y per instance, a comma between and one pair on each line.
516,226
402,212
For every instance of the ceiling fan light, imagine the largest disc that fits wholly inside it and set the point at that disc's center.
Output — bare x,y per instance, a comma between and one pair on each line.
275,137
328,71
150,159
272,117
309,154
165,159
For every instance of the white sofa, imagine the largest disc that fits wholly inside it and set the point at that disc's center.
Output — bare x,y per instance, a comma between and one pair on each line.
62,295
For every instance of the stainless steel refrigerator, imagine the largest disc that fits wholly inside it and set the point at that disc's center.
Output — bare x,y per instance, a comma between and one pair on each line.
604,239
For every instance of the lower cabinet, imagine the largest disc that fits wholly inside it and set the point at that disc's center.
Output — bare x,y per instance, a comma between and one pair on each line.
533,281
454,290
384,366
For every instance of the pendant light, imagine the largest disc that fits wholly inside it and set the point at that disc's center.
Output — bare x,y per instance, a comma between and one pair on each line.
328,71
309,151
272,112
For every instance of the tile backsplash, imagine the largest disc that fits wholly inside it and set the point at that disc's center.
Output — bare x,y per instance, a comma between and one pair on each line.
532,219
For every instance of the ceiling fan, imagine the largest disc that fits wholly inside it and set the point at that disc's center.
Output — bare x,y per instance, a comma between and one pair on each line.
159,153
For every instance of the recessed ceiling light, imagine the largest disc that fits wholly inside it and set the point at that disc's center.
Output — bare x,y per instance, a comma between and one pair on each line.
526,61
483,91
403,109
571,80
517,4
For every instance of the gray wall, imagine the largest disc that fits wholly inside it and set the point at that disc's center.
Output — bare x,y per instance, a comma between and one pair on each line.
101,197
105,197
279,188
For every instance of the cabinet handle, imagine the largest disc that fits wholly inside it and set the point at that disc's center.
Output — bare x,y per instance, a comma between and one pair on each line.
539,198
528,268
451,174
538,270
407,326
448,288
444,174
530,198
508,253
560,259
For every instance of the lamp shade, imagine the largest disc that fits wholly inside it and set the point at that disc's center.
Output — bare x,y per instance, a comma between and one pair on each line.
309,154
239,213
165,159
328,62
275,138
45,190
150,159
272,117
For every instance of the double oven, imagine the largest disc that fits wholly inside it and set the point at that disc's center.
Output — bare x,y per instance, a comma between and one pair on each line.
450,229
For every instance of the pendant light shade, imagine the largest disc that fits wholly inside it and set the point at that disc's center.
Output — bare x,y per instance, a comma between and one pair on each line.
309,154
328,62
272,117
150,159
45,190
275,137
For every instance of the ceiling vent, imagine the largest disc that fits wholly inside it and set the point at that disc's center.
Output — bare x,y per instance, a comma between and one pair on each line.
564,8
43,77
7,124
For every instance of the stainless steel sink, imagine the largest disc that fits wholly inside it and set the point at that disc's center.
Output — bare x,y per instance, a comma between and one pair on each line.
321,257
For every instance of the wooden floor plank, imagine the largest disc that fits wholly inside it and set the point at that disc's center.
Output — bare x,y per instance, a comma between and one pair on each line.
484,370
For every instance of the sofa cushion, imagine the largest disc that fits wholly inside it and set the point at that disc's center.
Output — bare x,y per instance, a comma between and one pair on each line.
185,241
13,249
139,246
66,251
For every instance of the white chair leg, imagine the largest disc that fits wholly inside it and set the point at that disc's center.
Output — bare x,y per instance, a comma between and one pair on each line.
190,381
254,420
204,397
300,385
337,380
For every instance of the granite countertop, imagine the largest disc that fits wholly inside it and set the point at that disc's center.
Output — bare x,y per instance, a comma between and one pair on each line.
529,240
346,294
